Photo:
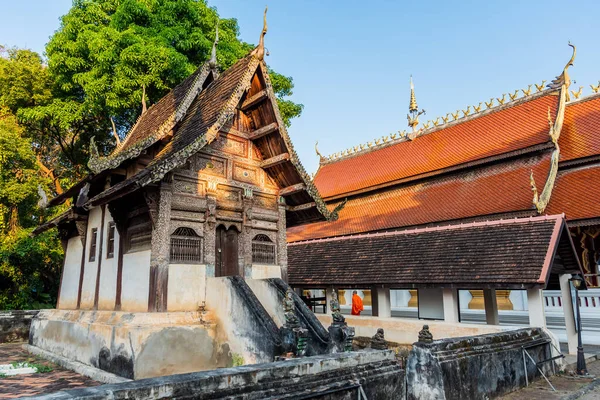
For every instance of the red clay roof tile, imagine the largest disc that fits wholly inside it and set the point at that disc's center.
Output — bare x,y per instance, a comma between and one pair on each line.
576,193
507,129
580,136
494,189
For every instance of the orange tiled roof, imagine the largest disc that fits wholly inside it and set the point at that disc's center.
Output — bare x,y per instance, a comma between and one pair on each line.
576,193
507,129
580,136
491,190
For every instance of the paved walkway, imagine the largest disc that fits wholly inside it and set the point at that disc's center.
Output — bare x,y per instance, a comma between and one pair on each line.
40,383
568,387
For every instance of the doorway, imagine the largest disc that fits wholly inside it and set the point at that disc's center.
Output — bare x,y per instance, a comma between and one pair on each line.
226,252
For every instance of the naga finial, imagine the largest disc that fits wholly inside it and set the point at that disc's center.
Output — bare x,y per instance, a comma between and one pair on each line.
564,79
212,63
259,51
321,158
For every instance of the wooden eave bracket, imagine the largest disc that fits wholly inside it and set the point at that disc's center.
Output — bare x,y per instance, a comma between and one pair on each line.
265,130
302,207
254,100
286,191
273,161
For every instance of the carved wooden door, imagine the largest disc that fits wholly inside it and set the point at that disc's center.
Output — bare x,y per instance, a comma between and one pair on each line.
226,252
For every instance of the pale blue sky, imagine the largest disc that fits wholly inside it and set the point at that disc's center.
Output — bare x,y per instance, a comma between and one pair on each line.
351,60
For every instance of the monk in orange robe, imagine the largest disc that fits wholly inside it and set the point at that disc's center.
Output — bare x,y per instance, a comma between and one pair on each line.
357,304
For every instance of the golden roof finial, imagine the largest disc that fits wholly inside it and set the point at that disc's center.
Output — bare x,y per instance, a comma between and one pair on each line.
212,63
413,100
413,109
259,51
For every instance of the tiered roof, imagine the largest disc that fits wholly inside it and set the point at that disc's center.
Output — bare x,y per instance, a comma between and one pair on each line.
473,168
495,189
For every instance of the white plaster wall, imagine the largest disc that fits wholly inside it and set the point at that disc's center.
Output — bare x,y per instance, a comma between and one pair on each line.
88,289
108,270
263,271
136,281
70,278
187,287
269,298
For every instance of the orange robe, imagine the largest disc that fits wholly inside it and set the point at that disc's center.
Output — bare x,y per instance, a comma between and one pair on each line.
357,304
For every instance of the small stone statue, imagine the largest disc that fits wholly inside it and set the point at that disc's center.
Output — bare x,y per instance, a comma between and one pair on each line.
334,304
425,336
289,309
378,340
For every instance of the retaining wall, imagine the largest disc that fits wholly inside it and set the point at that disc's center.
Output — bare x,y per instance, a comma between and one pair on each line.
14,325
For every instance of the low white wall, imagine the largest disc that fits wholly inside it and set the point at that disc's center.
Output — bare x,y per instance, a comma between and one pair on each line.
69,287
136,281
132,345
263,271
406,331
187,287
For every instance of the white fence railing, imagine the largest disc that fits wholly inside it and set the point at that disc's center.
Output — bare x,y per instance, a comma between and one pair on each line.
589,300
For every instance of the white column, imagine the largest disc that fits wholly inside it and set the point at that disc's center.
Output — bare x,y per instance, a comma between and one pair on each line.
450,299
567,305
384,302
491,306
535,300
328,297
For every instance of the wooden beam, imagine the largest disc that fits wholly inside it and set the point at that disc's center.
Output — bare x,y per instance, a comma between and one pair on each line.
302,207
254,100
273,161
265,130
286,191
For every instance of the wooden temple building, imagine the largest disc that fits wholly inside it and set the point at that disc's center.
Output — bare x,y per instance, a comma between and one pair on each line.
502,195
203,186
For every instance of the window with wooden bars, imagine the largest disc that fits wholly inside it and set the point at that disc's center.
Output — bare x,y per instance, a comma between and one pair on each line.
93,244
110,243
186,247
263,250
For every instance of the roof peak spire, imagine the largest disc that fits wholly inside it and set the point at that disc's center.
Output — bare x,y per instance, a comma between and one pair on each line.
259,51
413,108
212,63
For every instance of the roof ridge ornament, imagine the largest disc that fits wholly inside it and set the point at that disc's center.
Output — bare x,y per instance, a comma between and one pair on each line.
212,63
321,158
259,51
564,79
413,108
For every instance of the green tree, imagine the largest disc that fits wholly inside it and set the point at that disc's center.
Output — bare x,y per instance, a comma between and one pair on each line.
19,177
108,53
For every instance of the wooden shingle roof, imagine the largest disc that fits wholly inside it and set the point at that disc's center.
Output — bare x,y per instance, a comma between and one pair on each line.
511,254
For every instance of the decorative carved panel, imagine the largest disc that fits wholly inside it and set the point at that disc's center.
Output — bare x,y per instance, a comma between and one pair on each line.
211,165
245,173
181,201
229,194
265,201
270,182
230,144
187,185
